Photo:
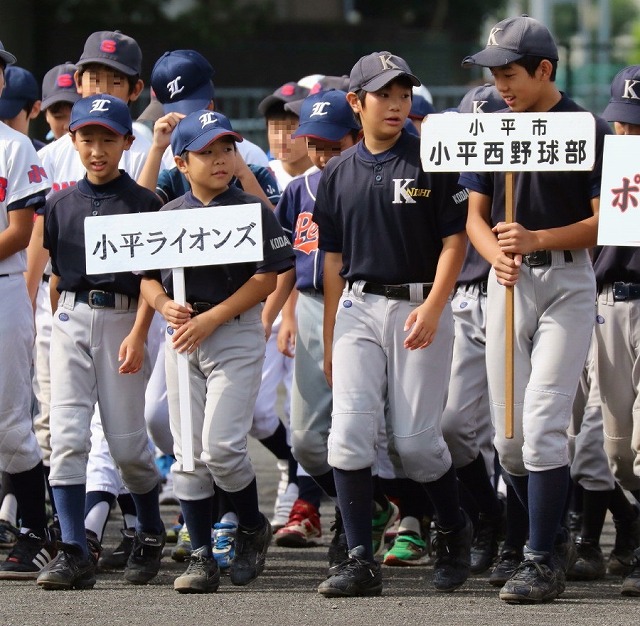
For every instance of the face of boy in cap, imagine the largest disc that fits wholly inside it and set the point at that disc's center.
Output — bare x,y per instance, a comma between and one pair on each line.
624,106
101,131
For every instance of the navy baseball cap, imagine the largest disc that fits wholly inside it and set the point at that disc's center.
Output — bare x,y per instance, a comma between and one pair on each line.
513,38
58,85
287,93
113,49
196,131
624,105
6,57
420,107
20,88
375,70
101,110
182,81
482,99
326,115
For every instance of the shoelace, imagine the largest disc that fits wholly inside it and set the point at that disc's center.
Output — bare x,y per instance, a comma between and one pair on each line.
223,542
354,562
528,570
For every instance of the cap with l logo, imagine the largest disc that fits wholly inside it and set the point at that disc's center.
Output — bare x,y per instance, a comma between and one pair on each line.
101,110
375,70
624,105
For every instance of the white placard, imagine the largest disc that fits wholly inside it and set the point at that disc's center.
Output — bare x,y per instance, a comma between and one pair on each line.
507,142
168,239
619,222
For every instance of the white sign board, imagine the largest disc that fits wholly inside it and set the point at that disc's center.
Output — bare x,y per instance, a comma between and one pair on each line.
167,239
507,142
619,222
175,239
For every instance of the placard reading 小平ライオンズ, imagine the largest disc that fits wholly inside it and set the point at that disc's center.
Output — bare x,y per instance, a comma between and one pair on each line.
508,142
619,221
168,239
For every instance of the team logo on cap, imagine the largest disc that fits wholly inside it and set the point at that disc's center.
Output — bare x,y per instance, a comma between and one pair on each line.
108,46
174,87
287,90
99,105
208,118
65,80
629,89
318,109
491,41
387,63
478,106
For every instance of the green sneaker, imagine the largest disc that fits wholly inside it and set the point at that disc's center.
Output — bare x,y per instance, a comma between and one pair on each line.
182,551
380,522
407,549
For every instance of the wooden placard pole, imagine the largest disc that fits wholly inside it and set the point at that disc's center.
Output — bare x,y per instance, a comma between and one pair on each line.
509,319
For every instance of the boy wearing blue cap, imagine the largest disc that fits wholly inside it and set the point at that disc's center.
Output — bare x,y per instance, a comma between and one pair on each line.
97,341
221,331
20,101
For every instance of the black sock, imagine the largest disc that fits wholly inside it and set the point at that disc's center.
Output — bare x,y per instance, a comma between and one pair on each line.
594,510
413,500
198,518
620,507
355,494
475,478
28,488
327,483
517,521
277,443
127,505
309,491
520,485
245,504
148,512
379,496
446,501
47,470
547,502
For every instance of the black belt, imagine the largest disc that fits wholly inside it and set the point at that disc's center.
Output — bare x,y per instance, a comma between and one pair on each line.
540,258
394,292
626,291
98,299
202,307
4,275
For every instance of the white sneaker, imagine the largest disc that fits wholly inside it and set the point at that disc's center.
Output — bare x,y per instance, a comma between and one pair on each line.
284,504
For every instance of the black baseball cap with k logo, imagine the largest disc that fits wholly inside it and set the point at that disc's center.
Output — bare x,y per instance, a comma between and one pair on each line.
375,70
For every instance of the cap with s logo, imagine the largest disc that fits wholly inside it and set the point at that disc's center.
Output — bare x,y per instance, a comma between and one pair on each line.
58,85
101,110
113,49
513,38
482,99
196,131
287,93
375,70
182,81
624,105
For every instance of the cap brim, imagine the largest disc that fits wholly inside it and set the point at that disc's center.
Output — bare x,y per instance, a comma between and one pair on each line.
152,112
294,107
626,113
62,96
125,69
321,130
7,57
384,79
92,121
9,107
209,136
492,57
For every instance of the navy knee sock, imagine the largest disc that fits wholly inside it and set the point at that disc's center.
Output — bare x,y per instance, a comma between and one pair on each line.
198,516
594,510
245,503
327,483
443,493
355,495
70,499
475,478
29,490
517,521
309,491
148,511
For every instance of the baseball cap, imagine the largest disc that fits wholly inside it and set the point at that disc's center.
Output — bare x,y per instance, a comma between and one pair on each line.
113,49
375,70
102,110
182,81
6,57
58,85
482,99
420,107
20,88
326,115
513,38
196,131
624,105
341,83
289,92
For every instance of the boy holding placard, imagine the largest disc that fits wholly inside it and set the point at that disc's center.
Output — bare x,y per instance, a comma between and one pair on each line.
544,255
99,330
221,331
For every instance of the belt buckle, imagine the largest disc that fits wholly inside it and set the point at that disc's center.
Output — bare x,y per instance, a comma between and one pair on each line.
537,258
97,299
201,307
395,292
620,291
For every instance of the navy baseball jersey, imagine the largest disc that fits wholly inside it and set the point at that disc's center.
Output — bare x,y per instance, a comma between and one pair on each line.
215,283
64,216
295,214
617,263
546,199
385,215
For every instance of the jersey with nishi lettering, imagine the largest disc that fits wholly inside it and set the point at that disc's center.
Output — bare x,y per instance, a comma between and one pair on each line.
215,283
295,214
23,183
545,199
64,215
386,215
60,159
